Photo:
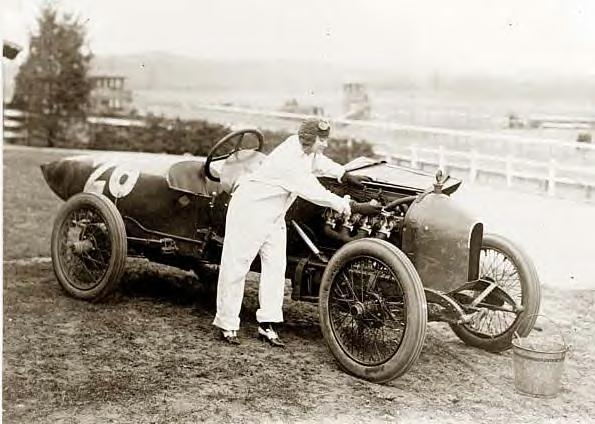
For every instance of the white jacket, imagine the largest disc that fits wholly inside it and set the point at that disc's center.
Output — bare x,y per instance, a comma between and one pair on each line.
288,172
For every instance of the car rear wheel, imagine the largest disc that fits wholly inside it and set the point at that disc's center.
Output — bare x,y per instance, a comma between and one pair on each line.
373,310
89,246
517,284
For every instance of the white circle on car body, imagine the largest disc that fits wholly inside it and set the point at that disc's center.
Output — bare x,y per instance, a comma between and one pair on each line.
122,181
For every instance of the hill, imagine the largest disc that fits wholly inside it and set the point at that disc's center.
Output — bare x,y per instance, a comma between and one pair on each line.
168,71
162,71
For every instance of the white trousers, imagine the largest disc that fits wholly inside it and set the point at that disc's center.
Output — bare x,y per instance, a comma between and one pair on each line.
246,235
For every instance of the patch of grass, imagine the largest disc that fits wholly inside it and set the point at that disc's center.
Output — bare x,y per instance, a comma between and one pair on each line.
64,354
29,204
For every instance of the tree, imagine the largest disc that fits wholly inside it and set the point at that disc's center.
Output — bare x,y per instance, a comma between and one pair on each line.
52,85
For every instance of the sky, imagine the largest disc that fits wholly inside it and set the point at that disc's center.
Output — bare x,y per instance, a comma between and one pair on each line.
504,37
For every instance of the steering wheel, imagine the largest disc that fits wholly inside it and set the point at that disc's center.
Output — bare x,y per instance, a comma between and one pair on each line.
238,146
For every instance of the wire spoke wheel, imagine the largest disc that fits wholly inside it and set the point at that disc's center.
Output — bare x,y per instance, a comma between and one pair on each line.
85,248
511,305
367,311
88,246
373,310
497,267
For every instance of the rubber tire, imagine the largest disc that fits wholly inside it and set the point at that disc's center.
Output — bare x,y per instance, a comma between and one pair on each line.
417,316
531,298
119,246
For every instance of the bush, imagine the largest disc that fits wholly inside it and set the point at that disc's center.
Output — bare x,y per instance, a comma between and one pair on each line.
584,138
175,136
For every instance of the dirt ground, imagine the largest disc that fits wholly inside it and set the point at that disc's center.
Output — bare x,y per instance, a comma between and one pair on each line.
149,355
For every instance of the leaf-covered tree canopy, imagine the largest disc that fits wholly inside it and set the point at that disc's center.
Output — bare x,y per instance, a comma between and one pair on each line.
52,83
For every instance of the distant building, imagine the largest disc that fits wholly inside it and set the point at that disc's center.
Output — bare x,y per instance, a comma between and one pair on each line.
292,106
562,122
514,121
356,103
109,96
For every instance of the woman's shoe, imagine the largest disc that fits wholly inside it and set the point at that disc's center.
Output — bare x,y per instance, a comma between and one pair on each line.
267,333
230,337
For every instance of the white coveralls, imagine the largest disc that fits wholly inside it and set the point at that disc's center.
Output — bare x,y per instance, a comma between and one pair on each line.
255,224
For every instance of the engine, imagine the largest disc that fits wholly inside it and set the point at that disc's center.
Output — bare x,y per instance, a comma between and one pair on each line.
384,225
306,272
442,242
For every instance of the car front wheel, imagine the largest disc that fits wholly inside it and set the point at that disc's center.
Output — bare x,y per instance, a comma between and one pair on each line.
89,246
373,310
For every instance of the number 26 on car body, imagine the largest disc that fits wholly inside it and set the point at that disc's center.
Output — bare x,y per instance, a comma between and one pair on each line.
121,182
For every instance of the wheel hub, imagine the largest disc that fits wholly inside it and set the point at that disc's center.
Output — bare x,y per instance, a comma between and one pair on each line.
357,309
80,247
367,313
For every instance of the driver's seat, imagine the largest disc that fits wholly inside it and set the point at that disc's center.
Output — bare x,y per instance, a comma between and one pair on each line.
190,175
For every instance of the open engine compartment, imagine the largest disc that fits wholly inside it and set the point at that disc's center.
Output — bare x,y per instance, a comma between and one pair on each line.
424,225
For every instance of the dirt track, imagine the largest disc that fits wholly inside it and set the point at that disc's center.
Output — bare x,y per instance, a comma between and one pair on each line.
149,354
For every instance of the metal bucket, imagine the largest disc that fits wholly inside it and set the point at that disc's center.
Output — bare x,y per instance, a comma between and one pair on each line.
538,371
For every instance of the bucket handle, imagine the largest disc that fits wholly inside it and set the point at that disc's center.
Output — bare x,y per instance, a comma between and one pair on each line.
567,347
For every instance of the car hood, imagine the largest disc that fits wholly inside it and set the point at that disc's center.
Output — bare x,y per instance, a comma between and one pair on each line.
398,176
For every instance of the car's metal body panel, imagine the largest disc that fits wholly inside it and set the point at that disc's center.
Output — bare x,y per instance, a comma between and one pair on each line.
438,237
168,197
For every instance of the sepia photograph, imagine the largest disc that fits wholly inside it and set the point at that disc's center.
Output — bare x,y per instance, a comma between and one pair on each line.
298,212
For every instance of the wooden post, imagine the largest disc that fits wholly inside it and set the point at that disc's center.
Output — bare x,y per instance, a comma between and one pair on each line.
388,157
473,166
349,149
414,158
551,178
509,171
441,159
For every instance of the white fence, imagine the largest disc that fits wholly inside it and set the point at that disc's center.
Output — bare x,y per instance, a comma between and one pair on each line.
394,136
551,177
563,169
13,125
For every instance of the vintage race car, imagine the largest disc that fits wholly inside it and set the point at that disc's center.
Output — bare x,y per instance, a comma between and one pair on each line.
377,279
